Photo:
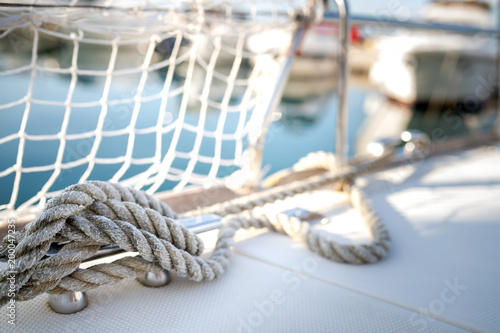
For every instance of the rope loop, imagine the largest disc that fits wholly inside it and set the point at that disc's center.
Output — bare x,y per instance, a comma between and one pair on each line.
86,216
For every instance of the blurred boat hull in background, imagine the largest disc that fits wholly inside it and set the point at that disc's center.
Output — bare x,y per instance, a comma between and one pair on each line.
437,68
314,70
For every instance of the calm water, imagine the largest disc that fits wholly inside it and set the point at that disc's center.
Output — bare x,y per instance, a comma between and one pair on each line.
290,138
302,127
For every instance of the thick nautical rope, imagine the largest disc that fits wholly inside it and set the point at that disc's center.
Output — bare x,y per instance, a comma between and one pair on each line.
318,240
86,216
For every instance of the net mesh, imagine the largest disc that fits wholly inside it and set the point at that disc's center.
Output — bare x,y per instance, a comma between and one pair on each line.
158,95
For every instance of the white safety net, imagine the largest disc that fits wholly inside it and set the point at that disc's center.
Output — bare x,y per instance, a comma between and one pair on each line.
158,95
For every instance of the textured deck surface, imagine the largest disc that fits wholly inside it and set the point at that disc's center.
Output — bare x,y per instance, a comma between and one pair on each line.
441,275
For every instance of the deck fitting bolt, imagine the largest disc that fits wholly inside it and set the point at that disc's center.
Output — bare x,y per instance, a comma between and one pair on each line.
155,279
69,302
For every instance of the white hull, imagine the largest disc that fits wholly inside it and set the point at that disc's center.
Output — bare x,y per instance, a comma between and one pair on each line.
314,70
440,68
419,77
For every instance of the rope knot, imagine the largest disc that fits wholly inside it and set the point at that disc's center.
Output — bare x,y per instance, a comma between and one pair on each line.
85,217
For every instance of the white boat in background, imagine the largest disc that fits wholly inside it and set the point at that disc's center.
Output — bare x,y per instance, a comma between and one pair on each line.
429,67
314,70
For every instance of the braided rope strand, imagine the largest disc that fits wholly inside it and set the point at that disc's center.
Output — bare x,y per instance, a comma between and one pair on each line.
86,216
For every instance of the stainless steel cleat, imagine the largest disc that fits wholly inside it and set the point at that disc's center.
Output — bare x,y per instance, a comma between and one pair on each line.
380,146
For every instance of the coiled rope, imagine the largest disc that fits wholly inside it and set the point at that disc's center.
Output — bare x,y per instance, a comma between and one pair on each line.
86,216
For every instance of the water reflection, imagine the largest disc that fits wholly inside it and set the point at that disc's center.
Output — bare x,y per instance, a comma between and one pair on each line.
442,90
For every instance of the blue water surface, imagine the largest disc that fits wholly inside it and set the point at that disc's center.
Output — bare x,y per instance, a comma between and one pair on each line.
303,127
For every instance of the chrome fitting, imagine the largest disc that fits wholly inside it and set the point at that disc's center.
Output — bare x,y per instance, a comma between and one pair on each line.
380,146
155,279
69,302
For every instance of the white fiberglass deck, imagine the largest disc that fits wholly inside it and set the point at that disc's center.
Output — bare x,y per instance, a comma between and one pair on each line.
441,275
